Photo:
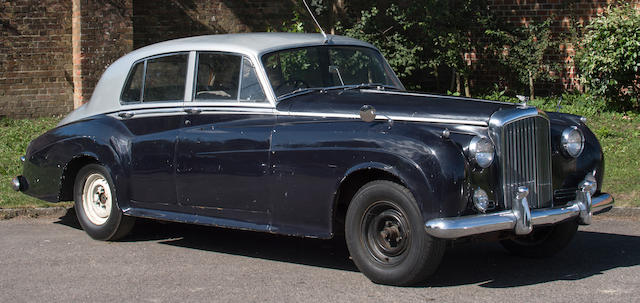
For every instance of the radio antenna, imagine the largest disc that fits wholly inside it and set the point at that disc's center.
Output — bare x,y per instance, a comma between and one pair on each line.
326,39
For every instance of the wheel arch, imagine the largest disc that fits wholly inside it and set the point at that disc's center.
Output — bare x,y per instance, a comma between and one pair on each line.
70,172
353,180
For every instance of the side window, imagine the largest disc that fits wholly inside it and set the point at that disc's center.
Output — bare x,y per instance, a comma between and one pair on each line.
157,79
250,89
165,78
217,77
133,89
227,78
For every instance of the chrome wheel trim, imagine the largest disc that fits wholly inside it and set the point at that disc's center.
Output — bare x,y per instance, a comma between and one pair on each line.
96,199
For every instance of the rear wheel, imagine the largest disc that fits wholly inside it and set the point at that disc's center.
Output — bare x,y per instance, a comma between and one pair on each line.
97,206
384,231
543,242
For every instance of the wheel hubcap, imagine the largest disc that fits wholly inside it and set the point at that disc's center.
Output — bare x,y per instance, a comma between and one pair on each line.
385,230
96,199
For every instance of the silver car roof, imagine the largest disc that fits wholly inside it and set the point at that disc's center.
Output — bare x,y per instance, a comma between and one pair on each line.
106,95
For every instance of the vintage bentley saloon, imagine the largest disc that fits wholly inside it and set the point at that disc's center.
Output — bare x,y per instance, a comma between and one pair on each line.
302,135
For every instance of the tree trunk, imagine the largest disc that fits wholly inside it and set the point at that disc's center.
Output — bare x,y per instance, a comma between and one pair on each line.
337,11
467,87
531,90
458,90
453,80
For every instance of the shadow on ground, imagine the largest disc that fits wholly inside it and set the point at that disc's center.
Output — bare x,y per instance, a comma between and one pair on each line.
485,264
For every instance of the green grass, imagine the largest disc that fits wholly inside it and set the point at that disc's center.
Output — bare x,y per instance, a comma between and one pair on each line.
15,135
619,134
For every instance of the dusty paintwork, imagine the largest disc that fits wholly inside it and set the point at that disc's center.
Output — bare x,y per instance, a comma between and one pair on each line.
281,166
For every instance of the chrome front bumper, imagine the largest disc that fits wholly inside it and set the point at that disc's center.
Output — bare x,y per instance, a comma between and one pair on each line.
520,219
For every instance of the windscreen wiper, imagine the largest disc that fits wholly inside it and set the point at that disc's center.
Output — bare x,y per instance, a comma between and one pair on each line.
378,86
301,91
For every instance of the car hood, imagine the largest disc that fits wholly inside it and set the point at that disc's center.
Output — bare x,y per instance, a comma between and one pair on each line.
397,105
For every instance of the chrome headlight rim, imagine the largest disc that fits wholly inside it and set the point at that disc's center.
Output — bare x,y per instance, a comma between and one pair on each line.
480,157
566,136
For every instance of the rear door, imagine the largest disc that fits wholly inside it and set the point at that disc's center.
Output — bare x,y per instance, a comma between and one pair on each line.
152,112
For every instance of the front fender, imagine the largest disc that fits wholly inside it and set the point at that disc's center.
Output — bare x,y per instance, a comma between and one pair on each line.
433,168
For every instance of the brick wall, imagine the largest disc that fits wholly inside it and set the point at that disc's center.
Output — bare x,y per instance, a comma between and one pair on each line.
155,21
47,61
35,58
102,33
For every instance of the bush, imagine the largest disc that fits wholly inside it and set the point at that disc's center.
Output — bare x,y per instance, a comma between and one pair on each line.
609,57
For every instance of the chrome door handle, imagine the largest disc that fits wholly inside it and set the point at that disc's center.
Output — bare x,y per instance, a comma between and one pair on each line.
192,111
126,115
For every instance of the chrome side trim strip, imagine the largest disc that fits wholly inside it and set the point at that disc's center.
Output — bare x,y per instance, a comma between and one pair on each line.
388,92
457,227
385,118
434,120
235,108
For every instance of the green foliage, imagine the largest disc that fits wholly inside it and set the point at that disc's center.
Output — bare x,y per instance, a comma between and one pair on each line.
422,37
609,57
524,51
388,30
295,25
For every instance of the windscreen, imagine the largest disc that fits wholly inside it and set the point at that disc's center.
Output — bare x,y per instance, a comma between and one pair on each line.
326,66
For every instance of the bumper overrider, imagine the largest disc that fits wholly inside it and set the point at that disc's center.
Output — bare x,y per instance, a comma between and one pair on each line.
521,219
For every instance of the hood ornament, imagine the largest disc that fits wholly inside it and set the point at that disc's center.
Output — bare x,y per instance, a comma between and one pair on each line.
523,101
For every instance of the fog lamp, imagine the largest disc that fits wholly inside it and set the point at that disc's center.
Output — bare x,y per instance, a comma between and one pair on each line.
480,200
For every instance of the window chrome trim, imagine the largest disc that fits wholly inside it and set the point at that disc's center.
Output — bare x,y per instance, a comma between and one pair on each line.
144,76
190,85
258,68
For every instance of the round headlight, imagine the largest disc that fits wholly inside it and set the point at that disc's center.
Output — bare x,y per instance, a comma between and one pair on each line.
481,151
572,141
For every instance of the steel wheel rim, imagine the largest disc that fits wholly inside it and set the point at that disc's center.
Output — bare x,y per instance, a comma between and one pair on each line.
385,231
96,199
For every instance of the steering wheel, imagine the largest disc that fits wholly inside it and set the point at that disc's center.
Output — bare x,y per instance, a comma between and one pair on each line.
291,85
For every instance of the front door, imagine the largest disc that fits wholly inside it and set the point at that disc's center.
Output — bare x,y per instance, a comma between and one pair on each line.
222,154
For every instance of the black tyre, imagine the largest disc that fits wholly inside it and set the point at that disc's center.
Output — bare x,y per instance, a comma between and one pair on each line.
543,242
96,205
384,231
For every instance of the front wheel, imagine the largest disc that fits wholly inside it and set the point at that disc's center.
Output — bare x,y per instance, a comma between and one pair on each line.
544,242
97,206
384,231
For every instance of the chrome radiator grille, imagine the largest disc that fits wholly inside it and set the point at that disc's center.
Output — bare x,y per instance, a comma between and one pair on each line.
525,159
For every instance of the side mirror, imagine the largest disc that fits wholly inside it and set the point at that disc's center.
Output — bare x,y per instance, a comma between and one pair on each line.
334,70
367,113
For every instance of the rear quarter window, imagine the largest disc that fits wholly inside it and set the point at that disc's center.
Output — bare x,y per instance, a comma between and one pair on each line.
157,79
